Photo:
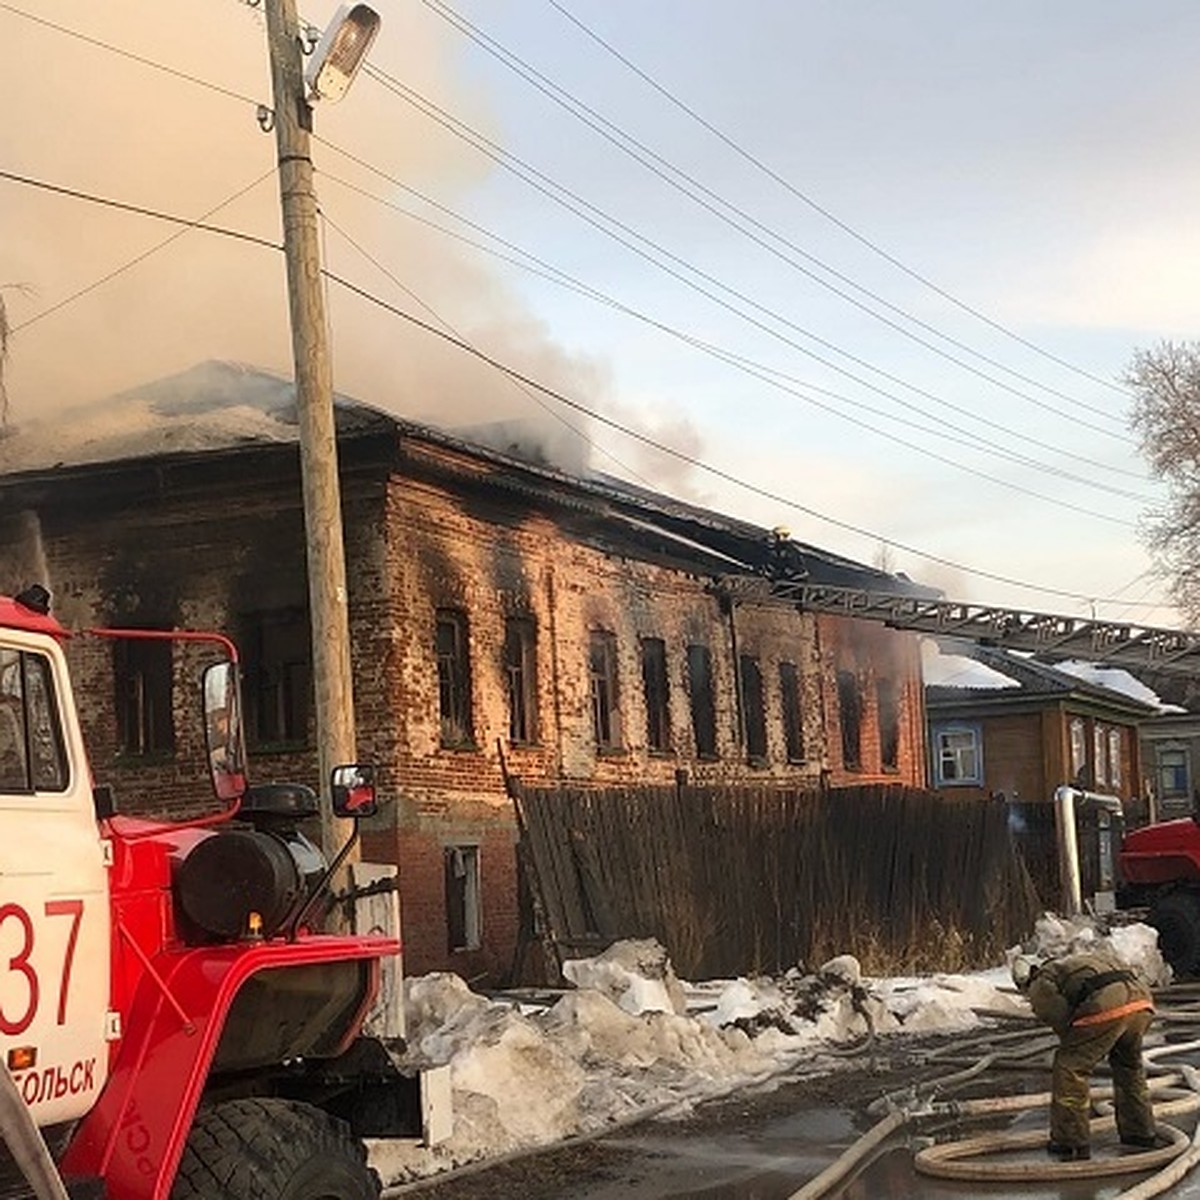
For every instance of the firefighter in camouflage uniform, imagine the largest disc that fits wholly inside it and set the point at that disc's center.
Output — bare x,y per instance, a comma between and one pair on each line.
1098,1008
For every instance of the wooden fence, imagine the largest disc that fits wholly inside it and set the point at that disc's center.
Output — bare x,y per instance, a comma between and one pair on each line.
741,880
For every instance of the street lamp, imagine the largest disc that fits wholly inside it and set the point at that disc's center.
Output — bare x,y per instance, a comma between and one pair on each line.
340,52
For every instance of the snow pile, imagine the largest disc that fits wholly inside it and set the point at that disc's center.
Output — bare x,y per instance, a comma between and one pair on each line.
1115,679
943,668
636,975
632,1040
1135,945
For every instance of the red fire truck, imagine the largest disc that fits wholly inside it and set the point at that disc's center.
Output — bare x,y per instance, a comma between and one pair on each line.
173,1020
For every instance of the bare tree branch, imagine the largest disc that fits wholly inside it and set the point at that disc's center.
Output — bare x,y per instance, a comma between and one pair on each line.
1165,382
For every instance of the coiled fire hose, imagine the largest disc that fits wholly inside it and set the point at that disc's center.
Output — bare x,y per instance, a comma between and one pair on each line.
947,1160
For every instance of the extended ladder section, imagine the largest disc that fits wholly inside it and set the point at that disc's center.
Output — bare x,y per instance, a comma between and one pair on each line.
1049,635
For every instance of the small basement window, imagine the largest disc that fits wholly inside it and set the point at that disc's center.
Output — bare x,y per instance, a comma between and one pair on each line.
463,917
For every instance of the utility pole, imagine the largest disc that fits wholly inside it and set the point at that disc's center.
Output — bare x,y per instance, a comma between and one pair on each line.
332,680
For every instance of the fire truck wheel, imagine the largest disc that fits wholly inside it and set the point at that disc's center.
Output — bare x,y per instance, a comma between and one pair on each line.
270,1149
1176,916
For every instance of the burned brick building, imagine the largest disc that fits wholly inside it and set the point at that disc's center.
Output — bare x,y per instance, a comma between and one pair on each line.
504,616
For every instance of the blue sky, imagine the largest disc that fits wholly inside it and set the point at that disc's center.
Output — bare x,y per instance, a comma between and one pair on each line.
1034,161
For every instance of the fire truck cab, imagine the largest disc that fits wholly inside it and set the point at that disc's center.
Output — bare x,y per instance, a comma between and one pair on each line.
173,1017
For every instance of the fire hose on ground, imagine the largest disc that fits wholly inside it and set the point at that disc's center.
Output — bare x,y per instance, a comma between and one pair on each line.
959,1158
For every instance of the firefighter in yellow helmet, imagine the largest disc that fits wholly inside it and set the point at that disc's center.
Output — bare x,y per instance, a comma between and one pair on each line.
1098,1008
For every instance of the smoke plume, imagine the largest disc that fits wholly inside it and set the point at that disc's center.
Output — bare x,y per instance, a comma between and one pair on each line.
92,120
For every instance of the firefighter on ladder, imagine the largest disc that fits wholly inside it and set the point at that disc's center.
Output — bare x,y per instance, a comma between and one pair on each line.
1098,1008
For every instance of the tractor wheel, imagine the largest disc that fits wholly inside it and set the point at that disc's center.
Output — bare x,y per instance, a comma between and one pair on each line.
1176,916
268,1149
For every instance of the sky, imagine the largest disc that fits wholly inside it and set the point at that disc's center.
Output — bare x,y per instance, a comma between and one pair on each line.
629,1040
872,272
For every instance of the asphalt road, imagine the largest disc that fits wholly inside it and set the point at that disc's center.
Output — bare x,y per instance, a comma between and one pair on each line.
766,1145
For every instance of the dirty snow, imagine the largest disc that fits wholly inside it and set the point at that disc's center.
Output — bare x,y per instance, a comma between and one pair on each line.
1116,679
942,668
631,1040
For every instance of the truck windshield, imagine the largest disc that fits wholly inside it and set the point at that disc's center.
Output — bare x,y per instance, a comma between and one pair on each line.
31,745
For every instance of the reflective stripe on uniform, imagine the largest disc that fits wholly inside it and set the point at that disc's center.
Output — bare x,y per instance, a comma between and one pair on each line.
1112,1014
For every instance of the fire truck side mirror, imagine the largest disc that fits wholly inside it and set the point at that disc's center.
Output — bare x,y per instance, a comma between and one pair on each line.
223,731
352,790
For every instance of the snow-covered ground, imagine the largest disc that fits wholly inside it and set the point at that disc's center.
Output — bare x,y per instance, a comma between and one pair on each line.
631,1040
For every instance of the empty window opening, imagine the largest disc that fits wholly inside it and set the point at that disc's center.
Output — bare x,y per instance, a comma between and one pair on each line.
602,663
702,700
850,715
753,709
463,922
789,701
654,682
454,678
279,678
520,674
142,674
887,693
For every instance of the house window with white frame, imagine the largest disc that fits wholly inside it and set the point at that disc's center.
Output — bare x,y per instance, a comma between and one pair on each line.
1114,758
958,751
1100,754
1173,771
1078,750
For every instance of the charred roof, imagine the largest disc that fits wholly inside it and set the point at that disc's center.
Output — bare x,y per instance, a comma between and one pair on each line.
181,433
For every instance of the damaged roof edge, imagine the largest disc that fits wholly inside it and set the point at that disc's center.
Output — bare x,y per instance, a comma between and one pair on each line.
738,546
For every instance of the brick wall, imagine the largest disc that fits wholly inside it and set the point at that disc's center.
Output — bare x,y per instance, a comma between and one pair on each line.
873,655
203,554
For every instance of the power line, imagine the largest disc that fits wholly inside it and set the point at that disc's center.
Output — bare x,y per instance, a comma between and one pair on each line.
138,209
128,54
679,455
937,432
527,391
709,200
708,468
622,232
859,237
772,376
133,262
778,380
